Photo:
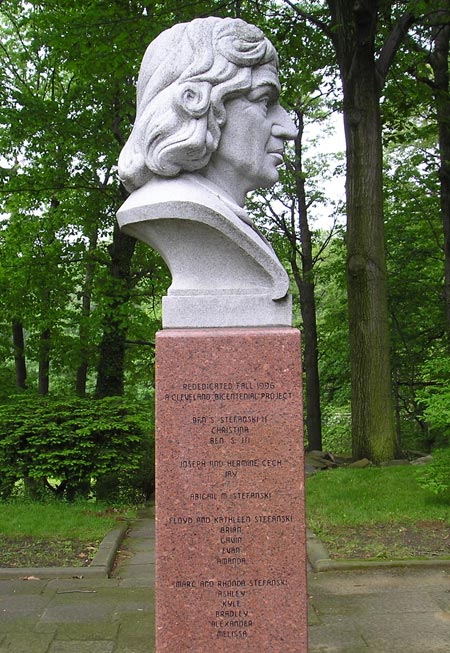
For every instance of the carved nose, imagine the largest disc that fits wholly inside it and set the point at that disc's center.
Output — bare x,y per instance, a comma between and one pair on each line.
283,126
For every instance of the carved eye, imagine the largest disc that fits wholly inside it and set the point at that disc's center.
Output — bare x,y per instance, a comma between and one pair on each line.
264,96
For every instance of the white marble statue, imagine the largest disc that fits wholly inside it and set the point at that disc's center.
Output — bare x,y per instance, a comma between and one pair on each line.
209,128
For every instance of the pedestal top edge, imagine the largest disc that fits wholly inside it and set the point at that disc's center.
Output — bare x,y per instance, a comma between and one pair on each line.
226,331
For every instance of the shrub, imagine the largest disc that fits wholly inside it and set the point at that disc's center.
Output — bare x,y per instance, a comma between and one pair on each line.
66,446
434,398
435,476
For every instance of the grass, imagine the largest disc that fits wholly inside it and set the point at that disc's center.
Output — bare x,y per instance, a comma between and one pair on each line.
347,496
54,532
378,512
55,519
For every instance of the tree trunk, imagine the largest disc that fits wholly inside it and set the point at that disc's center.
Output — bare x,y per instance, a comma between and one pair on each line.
111,367
305,283
439,63
82,370
373,423
19,354
44,362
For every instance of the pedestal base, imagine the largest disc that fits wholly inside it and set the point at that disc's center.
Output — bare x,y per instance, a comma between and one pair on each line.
230,539
223,310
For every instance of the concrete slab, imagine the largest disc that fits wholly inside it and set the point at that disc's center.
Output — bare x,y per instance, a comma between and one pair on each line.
89,632
334,637
23,643
141,558
82,647
12,587
139,571
79,608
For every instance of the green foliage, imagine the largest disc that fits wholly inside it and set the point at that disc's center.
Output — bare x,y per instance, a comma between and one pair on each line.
337,429
68,445
434,397
332,320
435,476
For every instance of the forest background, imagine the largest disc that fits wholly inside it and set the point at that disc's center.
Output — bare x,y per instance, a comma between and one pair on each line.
81,302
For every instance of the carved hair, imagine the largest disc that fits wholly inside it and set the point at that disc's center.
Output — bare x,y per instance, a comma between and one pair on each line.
186,75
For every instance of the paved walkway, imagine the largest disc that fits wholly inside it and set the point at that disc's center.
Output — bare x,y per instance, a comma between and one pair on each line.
382,611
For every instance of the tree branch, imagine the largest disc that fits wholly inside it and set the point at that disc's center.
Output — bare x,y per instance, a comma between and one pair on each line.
312,19
392,44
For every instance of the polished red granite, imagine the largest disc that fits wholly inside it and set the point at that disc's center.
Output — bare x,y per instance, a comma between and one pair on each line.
230,542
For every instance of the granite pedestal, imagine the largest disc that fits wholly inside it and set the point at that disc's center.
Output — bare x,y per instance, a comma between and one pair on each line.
230,524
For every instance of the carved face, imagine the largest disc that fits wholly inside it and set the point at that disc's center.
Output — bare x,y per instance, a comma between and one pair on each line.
252,139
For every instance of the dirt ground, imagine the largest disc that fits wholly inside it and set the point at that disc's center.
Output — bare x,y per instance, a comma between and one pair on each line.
31,552
426,539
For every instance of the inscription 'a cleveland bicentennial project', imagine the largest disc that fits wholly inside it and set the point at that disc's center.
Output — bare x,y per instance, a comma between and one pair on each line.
215,391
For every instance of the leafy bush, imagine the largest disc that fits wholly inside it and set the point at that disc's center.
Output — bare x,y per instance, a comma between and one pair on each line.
435,396
435,476
435,401
66,447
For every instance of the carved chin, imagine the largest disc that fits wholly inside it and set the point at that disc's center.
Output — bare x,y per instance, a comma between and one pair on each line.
268,177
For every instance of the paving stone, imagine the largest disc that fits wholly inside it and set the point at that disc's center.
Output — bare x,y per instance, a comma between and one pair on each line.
26,627
424,627
144,642
17,586
79,584
333,638
139,571
82,647
147,581
313,616
442,599
145,531
26,642
136,623
95,631
392,645
135,648
79,608
360,604
22,607
140,558
340,649
141,544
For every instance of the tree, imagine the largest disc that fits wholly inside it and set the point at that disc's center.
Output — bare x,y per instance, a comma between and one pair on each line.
415,274
287,207
354,29
66,96
438,26
363,76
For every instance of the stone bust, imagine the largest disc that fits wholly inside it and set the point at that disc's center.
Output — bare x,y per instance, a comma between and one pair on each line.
209,128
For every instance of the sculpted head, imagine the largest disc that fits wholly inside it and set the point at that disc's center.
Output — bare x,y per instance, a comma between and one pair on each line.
202,89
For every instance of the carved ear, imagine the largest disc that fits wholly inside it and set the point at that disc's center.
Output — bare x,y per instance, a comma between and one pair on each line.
193,98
